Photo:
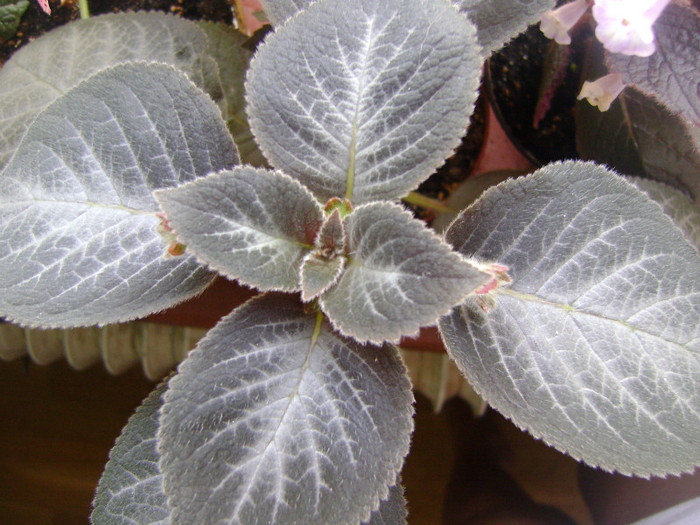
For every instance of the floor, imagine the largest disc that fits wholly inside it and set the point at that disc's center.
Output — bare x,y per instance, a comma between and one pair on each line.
57,426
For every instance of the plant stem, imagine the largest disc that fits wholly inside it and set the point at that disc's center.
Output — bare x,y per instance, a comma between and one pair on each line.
427,202
84,9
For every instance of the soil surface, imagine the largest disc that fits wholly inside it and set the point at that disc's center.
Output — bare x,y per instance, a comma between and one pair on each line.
514,75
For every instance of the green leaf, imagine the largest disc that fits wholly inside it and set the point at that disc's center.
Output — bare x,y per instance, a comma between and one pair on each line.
254,225
367,105
399,276
274,418
595,347
131,488
638,136
11,12
79,243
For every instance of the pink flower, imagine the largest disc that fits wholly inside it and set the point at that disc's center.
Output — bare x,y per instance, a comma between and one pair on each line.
557,23
624,26
603,91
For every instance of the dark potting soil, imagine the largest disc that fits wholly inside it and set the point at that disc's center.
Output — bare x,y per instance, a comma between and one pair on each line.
513,78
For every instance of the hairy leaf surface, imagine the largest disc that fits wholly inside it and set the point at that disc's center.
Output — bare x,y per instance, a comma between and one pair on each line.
639,136
683,211
279,11
596,345
77,215
400,276
498,21
131,488
318,274
47,68
276,419
391,511
364,99
249,224
671,73
224,82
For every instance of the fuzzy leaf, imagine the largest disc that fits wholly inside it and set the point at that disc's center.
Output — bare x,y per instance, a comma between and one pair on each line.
498,21
249,224
684,212
595,347
367,105
11,12
275,419
391,511
318,274
639,136
231,59
131,488
279,11
400,276
78,220
45,69
671,73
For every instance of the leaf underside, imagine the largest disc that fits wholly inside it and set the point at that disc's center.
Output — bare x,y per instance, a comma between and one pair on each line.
275,419
596,345
376,111
249,224
77,215
131,488
400,276
391,511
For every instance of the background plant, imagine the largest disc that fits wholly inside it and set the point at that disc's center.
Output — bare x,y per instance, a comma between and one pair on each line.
575,295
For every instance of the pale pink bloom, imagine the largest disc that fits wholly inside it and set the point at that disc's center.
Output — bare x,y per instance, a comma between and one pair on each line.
45,7
603,91
624,26
557,23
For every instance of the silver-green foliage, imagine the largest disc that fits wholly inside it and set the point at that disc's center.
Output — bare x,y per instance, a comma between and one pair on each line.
575,296
595,347
78,218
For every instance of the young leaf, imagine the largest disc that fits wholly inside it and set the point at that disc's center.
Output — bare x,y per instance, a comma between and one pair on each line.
498,21
249,224
670,74
400,276
79,244
275,419
45,69
595,345
131,488
318,274
375,113
279,11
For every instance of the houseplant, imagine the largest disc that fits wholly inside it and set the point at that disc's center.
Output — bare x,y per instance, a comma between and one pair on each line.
298,409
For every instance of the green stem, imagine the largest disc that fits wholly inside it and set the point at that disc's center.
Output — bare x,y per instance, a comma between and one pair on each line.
84,9
427,202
